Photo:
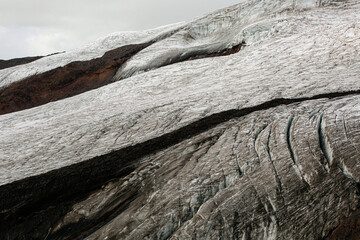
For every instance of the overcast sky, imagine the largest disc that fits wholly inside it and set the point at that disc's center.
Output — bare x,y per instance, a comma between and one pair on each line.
41,27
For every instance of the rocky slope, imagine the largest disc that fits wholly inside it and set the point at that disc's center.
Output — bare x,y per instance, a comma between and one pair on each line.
17,61
242,124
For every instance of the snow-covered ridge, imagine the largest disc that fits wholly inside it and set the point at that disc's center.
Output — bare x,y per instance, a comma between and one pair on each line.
248,21
90,51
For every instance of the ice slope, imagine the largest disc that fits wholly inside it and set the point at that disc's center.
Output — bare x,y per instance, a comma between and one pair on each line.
249,20
307,54
259,144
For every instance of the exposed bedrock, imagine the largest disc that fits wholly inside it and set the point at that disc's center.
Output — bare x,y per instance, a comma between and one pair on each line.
17,61
349,228
62,82
78,77
21,61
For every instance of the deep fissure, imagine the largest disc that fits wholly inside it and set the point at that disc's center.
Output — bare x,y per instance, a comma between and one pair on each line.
288,139
322,142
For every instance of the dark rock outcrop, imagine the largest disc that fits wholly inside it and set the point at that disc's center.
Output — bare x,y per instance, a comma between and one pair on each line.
17,61
349,229
21,61
67,81
78,77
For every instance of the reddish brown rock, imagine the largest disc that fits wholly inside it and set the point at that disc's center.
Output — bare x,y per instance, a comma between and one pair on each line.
62,82
78,77
349,229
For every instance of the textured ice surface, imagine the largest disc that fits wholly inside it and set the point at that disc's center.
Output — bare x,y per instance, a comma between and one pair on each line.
88,52
250,21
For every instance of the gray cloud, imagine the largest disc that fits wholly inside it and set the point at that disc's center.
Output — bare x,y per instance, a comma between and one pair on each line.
41,27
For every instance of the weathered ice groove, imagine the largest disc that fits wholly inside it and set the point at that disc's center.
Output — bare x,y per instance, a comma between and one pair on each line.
259,131
313,113
345,128
62,82
236,159
200,54
324,145
19,199
278,180
291,150
288,140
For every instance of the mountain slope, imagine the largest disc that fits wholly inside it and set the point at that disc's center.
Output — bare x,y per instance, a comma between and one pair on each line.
186,141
